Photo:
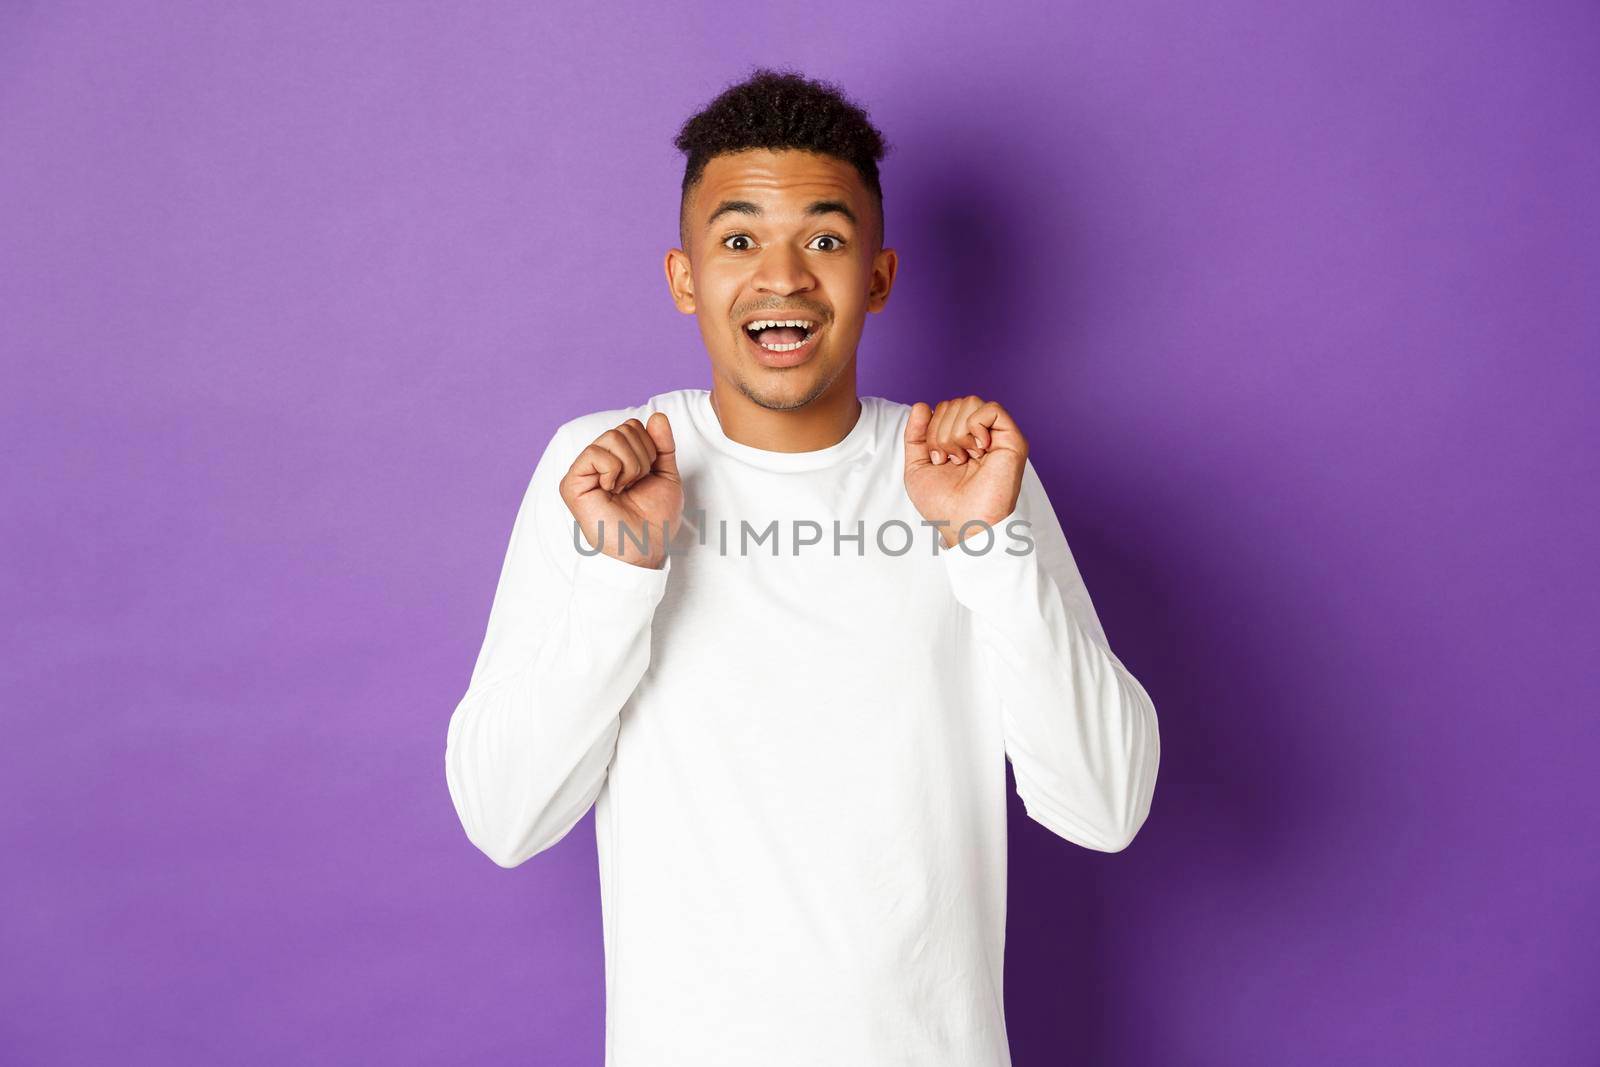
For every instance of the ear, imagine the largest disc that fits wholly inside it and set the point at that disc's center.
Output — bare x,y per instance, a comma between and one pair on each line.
680,280
884,265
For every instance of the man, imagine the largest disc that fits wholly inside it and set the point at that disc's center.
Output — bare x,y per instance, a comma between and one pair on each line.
783,639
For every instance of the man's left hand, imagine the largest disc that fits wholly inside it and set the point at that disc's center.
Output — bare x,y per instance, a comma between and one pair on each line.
964,462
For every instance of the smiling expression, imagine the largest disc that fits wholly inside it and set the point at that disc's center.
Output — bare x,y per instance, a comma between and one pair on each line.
781,237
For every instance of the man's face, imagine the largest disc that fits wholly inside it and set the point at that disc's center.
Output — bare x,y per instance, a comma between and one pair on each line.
780,235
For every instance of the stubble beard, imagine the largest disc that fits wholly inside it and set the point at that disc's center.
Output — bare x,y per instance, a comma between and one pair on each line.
776,402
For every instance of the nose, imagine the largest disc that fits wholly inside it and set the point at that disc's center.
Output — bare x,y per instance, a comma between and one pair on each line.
782,270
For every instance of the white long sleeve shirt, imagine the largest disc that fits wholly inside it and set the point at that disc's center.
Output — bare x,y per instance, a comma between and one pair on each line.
796,755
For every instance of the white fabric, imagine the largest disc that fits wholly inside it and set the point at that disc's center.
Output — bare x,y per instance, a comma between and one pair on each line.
796,761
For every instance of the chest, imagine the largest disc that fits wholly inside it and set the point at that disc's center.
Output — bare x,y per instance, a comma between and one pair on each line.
843,567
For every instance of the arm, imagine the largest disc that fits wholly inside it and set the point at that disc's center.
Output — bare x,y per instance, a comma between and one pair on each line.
568,639
1080,730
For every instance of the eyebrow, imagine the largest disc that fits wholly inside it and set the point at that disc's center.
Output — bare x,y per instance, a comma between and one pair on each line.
816,207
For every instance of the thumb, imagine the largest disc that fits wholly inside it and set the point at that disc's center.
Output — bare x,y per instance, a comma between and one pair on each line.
916,438
659,427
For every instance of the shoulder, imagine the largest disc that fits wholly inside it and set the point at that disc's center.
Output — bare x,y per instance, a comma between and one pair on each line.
586,427
891,415
580,431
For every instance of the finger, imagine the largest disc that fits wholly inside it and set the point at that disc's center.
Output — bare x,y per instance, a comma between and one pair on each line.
616,442
962,428
633,463
980,427
952,428
659,430
596,466
916,436
643,448
997,429
936,433
979,420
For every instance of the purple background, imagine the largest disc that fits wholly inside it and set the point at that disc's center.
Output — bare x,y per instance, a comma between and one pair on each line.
1297,304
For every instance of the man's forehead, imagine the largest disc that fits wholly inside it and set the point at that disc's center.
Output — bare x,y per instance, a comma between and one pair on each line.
779,180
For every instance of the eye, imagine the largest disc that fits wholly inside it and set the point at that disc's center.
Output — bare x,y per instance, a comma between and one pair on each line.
838,242
735,237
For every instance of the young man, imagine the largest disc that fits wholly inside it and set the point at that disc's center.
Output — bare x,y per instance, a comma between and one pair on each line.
792,712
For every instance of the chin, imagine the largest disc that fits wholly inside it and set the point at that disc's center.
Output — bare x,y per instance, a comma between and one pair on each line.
784,390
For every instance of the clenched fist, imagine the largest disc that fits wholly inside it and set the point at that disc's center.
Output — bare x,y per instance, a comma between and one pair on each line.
628,478
964,461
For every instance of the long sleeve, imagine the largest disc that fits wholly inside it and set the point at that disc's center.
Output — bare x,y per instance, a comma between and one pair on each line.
568,639
1080,731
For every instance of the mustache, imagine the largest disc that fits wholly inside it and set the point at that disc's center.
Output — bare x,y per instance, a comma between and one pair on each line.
821,314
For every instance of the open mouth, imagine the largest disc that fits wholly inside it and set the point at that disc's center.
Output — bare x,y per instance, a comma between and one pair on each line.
781,335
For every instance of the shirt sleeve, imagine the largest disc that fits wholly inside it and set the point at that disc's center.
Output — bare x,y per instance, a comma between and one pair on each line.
568,639
1080,731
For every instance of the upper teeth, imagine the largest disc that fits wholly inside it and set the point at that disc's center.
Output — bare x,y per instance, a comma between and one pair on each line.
765,324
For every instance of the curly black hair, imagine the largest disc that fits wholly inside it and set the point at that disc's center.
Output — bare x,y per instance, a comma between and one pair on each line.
779,109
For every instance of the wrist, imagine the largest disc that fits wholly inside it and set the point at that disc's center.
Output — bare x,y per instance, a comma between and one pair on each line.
951,535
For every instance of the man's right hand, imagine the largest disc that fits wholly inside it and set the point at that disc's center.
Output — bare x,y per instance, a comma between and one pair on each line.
628,478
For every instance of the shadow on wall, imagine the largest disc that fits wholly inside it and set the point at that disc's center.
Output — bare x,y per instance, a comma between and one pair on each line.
1085,972
956,309
1208,630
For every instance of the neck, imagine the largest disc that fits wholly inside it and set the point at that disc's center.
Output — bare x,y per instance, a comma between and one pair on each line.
823,422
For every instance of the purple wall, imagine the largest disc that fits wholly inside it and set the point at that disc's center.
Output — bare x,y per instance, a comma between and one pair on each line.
1297,303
